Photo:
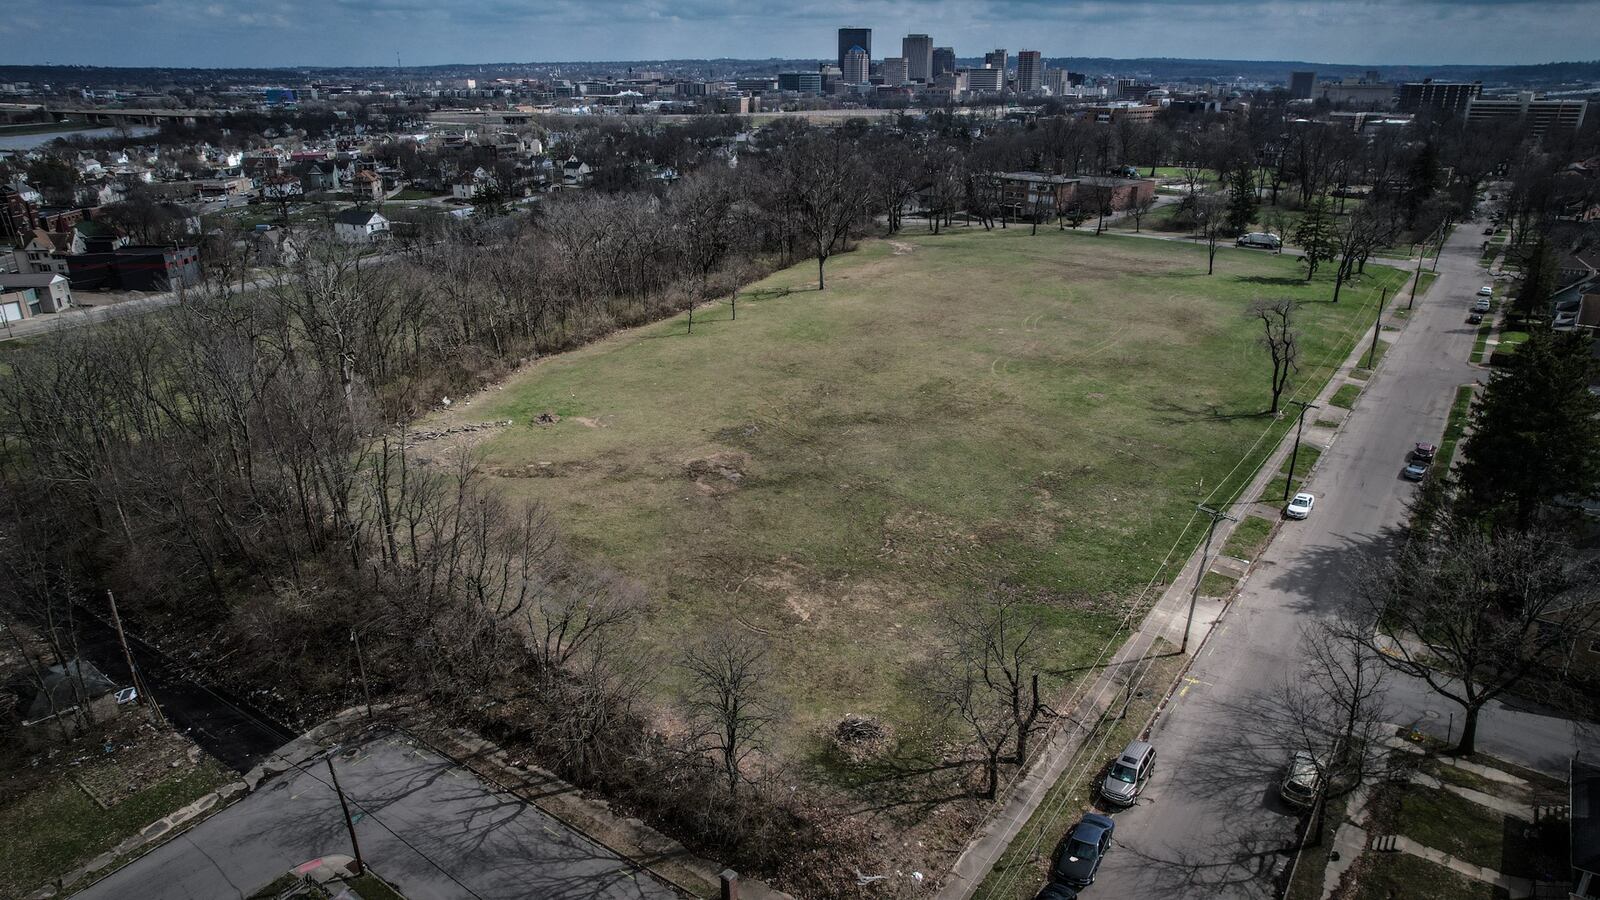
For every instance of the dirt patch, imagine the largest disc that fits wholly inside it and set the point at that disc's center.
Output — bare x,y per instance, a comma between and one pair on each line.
861,738
587,422
538,470
729,465
901,248
544,418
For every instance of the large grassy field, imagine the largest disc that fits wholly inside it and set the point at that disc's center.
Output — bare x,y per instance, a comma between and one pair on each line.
824,472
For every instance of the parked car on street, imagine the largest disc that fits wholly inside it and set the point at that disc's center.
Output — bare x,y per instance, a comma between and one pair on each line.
1424,451
1302,781
1300,506
1415,470
1129,773
1056,891
1486,291
1474,318
1082,851
1481,306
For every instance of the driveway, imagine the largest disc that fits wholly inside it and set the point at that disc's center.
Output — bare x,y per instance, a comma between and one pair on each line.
430,827
1210,824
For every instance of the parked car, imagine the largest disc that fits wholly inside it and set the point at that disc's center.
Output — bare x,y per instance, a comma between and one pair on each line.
1414,470
1082,851
1474,318
1129,773
1424,451
1302,780
1262,239
1056,891
1482,305
1300,506
1490,230
1486,291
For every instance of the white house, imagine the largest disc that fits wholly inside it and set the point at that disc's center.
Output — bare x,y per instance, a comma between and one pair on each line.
360,226
54,291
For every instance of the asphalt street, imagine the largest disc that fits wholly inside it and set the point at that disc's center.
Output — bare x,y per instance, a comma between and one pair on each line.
430,827
1210,823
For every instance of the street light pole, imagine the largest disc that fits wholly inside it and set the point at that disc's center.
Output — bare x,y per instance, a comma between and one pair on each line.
1416,280
1194,594
349,823
1288,483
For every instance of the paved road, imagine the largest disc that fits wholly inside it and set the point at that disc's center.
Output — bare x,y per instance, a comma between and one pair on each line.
453,836
1210,823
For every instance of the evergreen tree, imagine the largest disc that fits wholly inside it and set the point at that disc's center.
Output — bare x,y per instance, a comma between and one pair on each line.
1317,236
1539,277
1535,432
1242,200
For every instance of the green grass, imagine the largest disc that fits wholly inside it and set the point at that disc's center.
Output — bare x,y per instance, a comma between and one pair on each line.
1345,396
371,887
1428,278
50,830
1370,360
829,469
1326,423
1274,490
1482,341
1216,584
1388,876
1249,537
1484,837
1019,871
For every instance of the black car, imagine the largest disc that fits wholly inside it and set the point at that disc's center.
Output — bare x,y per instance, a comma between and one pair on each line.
1056,891
1082,851
1474,318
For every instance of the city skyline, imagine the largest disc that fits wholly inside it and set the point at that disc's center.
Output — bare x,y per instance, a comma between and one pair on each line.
375,32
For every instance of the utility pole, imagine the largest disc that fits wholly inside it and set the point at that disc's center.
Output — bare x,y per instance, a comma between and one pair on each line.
1288,484
1377,327
1444,232
1416,280
1194,595
361,666
143,691
348,823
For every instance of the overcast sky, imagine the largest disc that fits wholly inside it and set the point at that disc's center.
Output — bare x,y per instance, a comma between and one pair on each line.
371,32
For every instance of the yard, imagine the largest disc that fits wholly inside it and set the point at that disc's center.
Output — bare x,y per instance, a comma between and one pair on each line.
822,473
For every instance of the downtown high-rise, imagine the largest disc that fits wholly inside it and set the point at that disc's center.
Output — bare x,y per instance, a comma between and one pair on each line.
854,37
918,52
1030,72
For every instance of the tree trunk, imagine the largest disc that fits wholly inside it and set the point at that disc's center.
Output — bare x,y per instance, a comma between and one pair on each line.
1469,733
821,284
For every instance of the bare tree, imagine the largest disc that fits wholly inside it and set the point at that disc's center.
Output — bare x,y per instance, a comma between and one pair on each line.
829,188
990,677
1473,613
1142,205
1211,221
728,703
1280,339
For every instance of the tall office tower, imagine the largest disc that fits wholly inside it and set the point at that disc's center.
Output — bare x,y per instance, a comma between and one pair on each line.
1030,72
857,66
944,60
854,37
895,71
996,59
1056,81
1302,85
918,51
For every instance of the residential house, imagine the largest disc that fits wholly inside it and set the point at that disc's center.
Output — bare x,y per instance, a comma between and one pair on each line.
360,226
575,173
281,186
47,251
135,267
472,185
52,291
366,185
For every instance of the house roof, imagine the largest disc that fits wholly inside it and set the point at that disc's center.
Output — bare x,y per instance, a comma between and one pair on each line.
60,684
31,280
359,217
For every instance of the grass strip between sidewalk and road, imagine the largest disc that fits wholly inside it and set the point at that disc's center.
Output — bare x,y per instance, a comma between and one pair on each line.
1456,426
1345,396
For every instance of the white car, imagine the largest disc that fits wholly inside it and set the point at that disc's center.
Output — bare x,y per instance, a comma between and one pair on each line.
1482,305
1486,291
1300,506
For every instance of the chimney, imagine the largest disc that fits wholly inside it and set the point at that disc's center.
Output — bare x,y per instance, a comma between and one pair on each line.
730,884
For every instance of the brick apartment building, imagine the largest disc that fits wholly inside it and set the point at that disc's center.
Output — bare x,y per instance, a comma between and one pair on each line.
1024,193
